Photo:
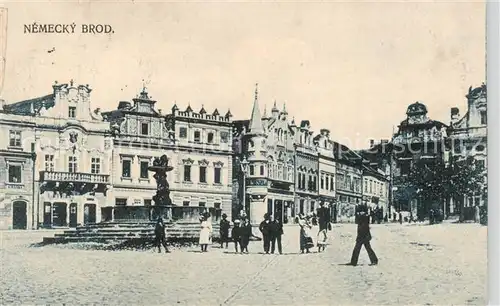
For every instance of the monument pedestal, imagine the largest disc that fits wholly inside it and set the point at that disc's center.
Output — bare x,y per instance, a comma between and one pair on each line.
257,210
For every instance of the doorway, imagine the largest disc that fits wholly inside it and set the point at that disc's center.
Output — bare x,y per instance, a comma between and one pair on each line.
89,213
47,214
278,210
59,214
73,215
19,215
269,207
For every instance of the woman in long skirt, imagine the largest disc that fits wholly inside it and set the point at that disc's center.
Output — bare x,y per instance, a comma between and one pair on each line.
306,241
205,233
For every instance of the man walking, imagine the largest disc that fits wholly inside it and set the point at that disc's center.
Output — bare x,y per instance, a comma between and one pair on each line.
224,231
276,232
264,228
323,221
160,236
363,237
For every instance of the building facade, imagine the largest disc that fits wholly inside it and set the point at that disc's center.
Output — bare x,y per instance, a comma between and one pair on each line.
418,139
348,181
17,158
468,137
284,169
280,164
72,151
202,160
197,144
140,133
376,190
327,173
306,170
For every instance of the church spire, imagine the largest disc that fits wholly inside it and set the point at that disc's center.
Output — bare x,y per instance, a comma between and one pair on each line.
256,126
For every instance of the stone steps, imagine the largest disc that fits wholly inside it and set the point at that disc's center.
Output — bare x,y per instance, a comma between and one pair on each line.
140,232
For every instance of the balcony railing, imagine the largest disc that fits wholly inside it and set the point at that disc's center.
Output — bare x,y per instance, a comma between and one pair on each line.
74,177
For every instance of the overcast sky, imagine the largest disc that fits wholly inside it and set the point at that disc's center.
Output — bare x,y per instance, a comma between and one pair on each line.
352,68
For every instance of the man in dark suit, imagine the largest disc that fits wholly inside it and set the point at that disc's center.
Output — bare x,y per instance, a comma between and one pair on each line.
276,230
160,236
364,236
323,221
264,228
224,231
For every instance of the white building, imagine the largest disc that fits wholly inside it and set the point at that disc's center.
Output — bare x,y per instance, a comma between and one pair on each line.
73,154
198,146
202,175
17,203
376,189
326,170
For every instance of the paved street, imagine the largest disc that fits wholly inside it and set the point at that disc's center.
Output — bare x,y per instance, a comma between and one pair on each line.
442,264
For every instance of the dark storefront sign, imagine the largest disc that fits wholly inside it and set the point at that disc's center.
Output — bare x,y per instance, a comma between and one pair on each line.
257,182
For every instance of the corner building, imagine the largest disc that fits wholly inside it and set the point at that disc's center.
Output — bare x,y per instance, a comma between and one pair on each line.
71,148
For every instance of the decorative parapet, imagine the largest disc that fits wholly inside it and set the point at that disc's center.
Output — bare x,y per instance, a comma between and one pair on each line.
74,177
202,115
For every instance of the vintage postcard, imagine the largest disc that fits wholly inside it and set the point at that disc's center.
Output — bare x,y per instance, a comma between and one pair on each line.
243,153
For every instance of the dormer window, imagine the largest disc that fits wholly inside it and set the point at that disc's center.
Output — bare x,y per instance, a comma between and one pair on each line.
144,128
72,112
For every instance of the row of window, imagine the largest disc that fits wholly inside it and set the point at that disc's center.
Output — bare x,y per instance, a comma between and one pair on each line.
375,187
197,137
327,182
202,174
148,202
347,199
73,165
261,168
347,182
312,183
281,172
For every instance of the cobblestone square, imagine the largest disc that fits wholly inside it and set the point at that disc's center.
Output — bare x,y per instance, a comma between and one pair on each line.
436,265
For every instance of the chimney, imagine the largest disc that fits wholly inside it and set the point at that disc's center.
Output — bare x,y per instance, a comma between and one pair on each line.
455,114
372,143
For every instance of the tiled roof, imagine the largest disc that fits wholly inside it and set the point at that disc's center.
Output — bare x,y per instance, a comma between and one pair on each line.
25,107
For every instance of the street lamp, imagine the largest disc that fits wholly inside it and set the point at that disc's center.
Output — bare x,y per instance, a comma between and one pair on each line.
33,169
244,169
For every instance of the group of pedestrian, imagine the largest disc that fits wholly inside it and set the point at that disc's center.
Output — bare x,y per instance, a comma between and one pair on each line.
272,232
240,233
306,222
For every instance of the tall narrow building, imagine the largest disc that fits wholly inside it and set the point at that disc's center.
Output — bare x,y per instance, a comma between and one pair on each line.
256,181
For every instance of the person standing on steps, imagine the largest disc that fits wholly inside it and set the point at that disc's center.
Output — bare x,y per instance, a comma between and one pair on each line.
276,230
160,236
224,231
363,236
323,222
